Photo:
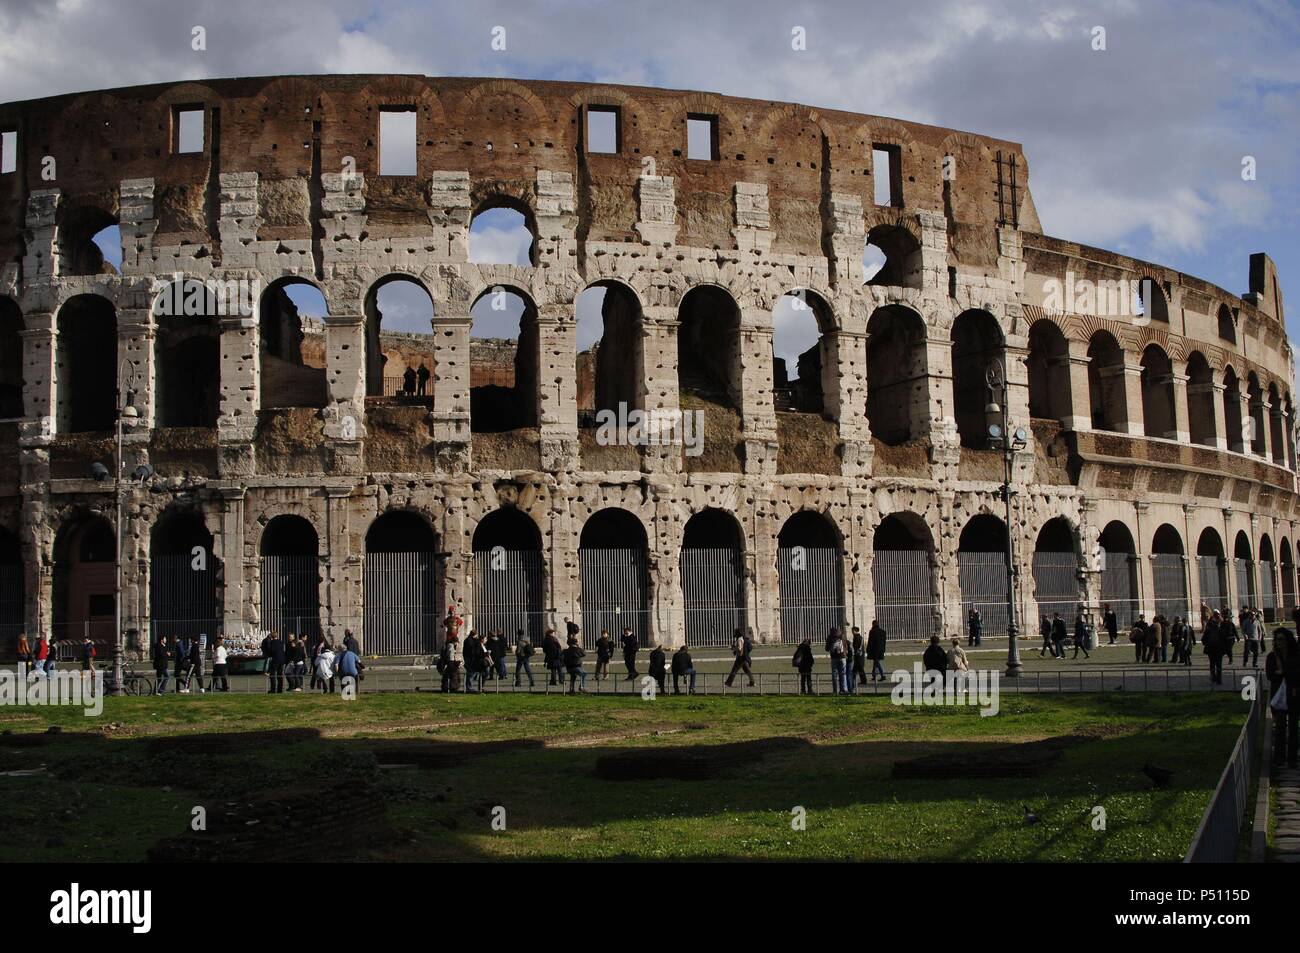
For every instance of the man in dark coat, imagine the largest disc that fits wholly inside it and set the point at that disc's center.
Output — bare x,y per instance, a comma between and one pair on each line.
162,654
935,658
803,661
859,644
181,658
876,649
1214,643
630,648
683,667
422,376
975,627
273,650
1110,622
408,381
1059,635
658,665
1081,637
551,652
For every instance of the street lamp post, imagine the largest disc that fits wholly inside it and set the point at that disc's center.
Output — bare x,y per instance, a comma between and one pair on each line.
126,410
998,417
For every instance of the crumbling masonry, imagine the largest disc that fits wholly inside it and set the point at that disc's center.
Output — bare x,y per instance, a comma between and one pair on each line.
1159,470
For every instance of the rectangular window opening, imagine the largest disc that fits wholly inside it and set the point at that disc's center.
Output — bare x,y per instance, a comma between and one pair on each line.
187,129
887,168
8,152
702,137
603,129
397,141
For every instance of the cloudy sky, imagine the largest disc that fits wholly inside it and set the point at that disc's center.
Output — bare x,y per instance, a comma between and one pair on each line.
1136,148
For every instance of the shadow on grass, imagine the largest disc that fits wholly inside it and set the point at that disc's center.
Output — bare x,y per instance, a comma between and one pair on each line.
269,795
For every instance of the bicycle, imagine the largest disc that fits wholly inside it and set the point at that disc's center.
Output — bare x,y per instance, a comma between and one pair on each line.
137,683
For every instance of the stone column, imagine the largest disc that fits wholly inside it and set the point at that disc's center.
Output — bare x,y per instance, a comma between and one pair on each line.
1076,361
659,390
1146,578
757,413
451,378
557,411
1215,392
1180,412
345,375
135,337
235,599
1257,410
845,398
341,574
40,343
1128,377
932,401
240,395
766,600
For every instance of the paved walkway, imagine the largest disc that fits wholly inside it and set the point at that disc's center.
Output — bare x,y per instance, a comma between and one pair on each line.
1286,838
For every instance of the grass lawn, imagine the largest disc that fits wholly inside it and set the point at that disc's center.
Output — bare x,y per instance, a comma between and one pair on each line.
114,786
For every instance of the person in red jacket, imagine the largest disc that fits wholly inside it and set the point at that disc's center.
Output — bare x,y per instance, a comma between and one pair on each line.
41,656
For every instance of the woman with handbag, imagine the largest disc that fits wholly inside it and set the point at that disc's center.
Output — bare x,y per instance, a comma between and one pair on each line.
1282,667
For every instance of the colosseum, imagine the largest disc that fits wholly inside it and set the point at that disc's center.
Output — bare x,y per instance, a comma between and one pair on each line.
280,470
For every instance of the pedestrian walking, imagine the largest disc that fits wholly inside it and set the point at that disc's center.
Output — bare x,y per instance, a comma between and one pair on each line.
1081,636
974,627
1059,636
1045,631
1214,642
604,652
475,663
523,655
1230,633
1282,667
194,667
740,661
551,656
273,651
572,657
182,660
838,653
220,668
859,644
876,650
451,659
162,660
1111,622
630,647
803,663
325,669
1250,635
1138,636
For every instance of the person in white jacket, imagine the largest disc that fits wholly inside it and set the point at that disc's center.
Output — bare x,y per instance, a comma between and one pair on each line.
219,681
325,669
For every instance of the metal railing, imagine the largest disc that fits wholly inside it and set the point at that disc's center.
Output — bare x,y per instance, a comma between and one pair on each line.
425,678
1219,832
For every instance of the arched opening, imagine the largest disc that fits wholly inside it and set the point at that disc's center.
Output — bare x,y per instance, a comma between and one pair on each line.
713,578
1048,365
615,577
982,571
1234,425
1286,570
1276,426
1212,569
402,586
802,369
84,580
610,363
86,365
1227,326
1157,394
1200,400
1106,396
891,256
503,232
1056,569
1255,398
508,576
187,356
399,339
89,242
290,576
1119,572
903,577
897,388
1169,573
12,588
1267,580
11,360
505,356
1151,300
184,577
810,575
291,339
1243,564
708,347
976,344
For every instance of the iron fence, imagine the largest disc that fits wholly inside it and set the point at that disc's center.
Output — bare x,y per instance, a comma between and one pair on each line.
983,581
713,586
1219,832
811,583
508,593
903,581
615,593
1169,580
401,603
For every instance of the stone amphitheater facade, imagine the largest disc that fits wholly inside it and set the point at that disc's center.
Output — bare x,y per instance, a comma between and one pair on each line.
1152,439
